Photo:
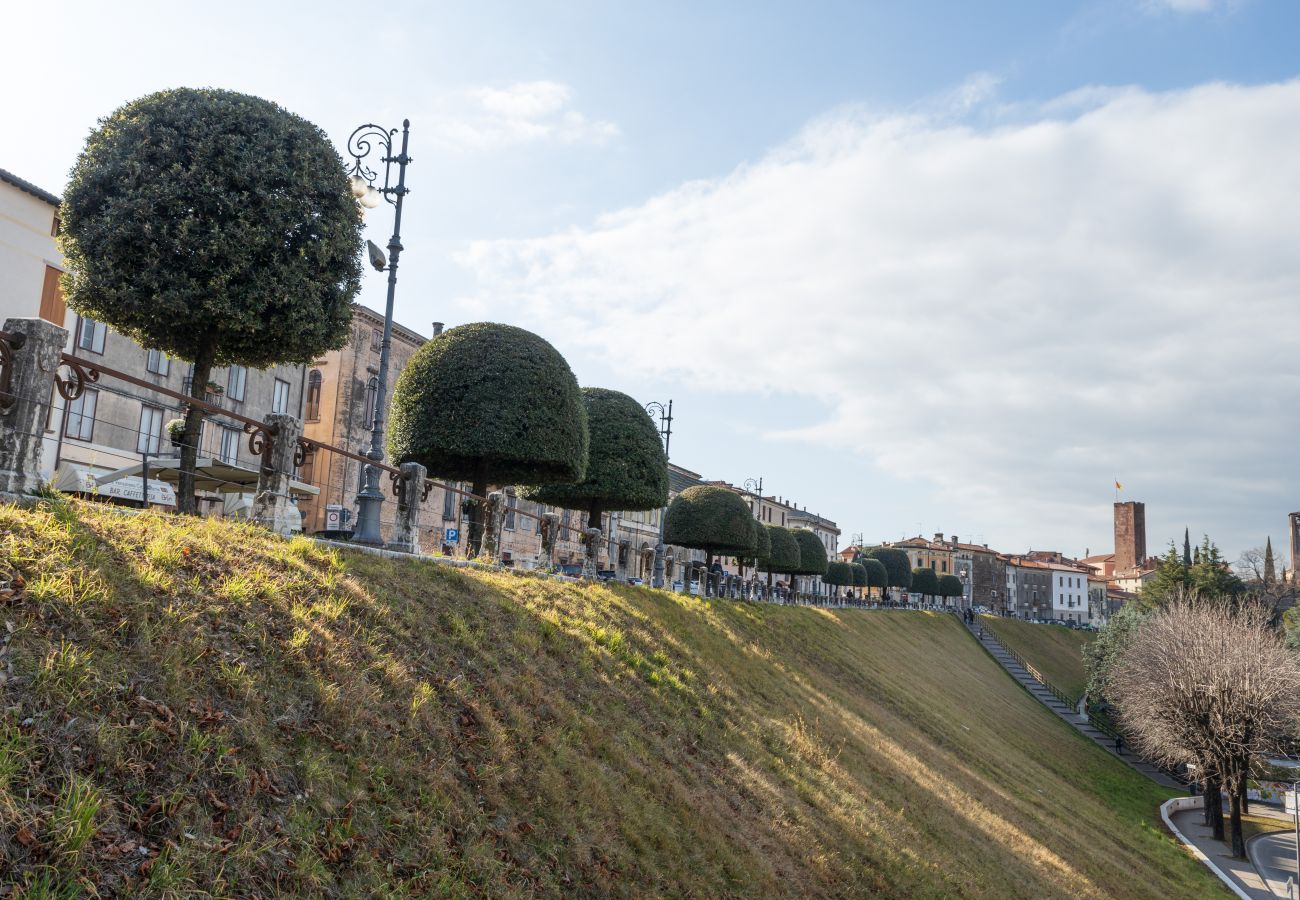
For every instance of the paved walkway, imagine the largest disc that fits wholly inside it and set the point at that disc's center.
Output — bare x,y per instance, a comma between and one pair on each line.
1248,882
1274,859
1072,716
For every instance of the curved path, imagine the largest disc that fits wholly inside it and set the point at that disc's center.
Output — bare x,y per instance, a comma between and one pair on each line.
1078,721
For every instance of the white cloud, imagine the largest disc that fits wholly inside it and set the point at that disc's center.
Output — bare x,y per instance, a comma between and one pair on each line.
1018,314
521,113
1185,6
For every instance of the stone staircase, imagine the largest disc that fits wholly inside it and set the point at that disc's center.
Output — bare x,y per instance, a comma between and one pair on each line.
1074,717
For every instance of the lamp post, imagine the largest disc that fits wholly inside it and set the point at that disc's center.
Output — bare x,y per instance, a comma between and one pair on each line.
665,414
755,488
368,139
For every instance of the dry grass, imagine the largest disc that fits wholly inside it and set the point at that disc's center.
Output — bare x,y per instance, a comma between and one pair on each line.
1054,650
199,709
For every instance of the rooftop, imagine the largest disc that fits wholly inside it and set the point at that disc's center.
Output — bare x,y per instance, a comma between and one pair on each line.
27,187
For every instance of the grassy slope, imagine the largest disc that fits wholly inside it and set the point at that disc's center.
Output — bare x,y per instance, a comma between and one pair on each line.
1054,650
263,716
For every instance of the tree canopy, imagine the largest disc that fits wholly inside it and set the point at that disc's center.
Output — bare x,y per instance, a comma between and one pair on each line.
783,553
860,577
711,518
925,581
215,226
492,404
839,574
950,586
626,465
877,574
812,553
762,546
898,567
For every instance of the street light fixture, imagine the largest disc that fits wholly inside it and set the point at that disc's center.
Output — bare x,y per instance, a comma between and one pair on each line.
665,414
364,141
755,488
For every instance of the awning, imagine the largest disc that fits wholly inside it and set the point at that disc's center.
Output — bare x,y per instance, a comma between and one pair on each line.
80,480
209,475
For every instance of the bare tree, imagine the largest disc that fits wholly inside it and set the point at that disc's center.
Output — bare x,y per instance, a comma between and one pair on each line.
1210,684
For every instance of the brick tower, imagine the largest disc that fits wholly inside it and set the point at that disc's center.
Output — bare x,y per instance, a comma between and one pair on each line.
1130,535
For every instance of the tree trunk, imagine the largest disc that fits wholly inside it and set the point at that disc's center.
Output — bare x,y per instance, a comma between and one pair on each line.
1238,839
474,521
1243,791
1214,802
186,502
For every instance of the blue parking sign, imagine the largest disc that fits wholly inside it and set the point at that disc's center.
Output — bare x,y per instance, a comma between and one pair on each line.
453,535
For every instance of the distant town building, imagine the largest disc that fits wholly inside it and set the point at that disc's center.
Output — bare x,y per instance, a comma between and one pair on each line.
1130,535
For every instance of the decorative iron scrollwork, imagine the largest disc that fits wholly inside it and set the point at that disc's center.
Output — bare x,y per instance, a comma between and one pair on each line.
260,438
428,486
399,485
303,452
8,344
75,385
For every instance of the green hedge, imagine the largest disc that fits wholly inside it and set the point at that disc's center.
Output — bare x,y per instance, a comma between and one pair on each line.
898,567
925,582
950,586
860,577
877,575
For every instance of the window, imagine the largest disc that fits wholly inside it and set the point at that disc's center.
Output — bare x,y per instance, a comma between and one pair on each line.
236,378
56,227
372,397
92,336
229,445
512,502
53,307
313,395
448,505
376,340
280,400
81,416
157,362
151,424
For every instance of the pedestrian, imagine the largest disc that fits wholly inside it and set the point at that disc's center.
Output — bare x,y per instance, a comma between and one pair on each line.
1119,744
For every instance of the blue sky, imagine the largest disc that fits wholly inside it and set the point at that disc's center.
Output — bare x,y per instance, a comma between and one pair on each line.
922,266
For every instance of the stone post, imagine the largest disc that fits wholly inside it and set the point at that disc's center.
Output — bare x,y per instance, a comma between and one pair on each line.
28,365
410,496
272,507
493,510
590,562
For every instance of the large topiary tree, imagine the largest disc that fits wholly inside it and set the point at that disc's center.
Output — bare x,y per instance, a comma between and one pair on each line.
713,519
838,574
860,577
626,465
924,581
217,227
877,575
490,404
762,548
898,567
812,553
783,555
950,586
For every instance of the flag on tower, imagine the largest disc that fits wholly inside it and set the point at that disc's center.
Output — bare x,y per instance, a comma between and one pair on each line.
1118,486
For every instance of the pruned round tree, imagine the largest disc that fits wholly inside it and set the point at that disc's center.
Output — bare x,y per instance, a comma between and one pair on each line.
762,548
215,226
877,575
783,555
490,404
812,553
860,577
924,581
713,519
950,586
898,566
626,465
839,574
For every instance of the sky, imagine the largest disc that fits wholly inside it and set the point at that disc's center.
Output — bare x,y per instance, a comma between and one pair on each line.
921,267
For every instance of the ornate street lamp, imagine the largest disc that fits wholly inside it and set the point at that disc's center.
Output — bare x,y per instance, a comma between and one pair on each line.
364,141
755,488
665,414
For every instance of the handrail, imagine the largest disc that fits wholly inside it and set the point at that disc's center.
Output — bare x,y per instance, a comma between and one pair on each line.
1071,702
